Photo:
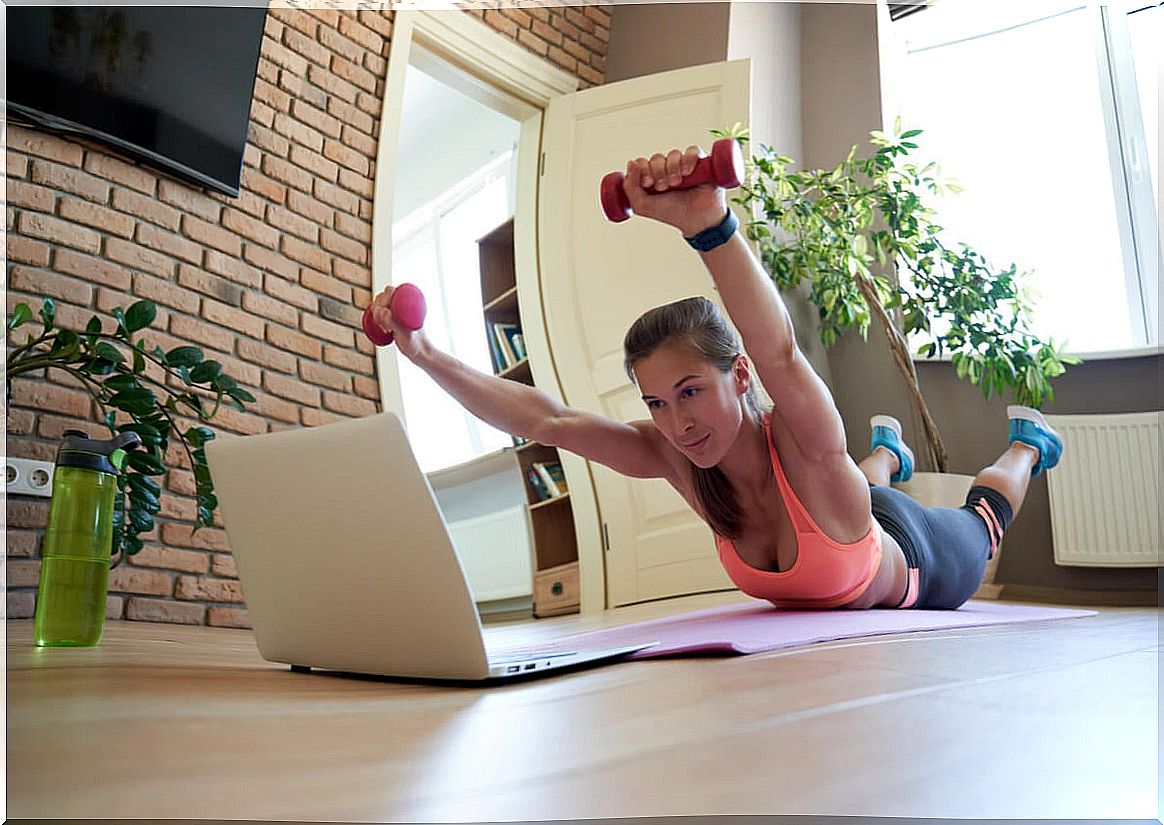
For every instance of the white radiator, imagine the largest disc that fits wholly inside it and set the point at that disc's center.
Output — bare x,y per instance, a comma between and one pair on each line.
494,550
1105,493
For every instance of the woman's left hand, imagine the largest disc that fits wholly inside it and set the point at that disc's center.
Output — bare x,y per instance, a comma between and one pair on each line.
648,186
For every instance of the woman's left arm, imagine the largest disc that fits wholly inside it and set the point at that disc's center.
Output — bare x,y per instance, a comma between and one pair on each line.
751,299
759,313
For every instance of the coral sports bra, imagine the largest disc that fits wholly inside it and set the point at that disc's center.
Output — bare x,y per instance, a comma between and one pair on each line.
825,574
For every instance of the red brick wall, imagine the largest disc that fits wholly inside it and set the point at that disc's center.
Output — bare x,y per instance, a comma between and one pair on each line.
271,284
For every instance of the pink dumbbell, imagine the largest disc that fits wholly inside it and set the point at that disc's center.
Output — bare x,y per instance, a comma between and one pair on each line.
408,307
723,167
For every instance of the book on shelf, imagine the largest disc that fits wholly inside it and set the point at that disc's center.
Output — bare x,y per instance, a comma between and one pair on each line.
559,476
517,343
552,476
537,485
504,336
498,358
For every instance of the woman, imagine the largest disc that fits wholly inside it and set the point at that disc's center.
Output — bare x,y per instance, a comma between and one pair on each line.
796,521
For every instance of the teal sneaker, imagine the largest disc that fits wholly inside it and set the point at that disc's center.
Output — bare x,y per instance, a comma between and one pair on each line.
1028,426
887,434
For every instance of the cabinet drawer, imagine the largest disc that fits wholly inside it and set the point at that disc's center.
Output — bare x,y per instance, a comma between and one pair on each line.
556,590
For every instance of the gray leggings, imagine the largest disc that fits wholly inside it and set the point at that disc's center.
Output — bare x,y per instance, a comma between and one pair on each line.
949,547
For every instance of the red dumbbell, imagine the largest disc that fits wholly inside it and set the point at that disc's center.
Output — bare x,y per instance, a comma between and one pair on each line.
723,167
408,307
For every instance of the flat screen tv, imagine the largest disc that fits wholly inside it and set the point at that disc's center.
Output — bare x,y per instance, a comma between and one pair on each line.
169,85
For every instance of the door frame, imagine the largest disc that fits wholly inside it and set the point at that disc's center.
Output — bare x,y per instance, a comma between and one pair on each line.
465,53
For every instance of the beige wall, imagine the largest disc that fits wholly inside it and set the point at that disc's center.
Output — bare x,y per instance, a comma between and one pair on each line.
839,104
656,37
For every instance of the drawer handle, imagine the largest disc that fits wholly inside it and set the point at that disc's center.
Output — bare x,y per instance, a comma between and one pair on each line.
556,588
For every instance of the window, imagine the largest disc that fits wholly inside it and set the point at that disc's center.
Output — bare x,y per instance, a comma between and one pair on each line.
456,167
1040,111
1146,27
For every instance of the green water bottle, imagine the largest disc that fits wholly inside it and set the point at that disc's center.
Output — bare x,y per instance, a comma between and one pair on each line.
78,541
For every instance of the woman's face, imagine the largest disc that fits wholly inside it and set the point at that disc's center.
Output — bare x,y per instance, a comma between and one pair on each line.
698,408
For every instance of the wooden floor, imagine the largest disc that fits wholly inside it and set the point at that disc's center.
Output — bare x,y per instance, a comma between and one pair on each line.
1055,719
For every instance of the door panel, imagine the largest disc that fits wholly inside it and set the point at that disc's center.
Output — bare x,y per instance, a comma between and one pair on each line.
598,277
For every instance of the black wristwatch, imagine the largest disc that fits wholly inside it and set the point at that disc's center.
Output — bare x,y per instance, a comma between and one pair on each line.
714,236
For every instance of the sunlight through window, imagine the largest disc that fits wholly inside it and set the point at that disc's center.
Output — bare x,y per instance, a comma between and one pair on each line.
1013,108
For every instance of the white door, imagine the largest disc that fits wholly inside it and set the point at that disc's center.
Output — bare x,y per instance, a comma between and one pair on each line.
598,277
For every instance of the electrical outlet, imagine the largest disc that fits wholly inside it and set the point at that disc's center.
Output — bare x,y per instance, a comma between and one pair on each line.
25,477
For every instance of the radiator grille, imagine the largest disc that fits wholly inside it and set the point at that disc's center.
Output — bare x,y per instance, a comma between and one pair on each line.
1105,493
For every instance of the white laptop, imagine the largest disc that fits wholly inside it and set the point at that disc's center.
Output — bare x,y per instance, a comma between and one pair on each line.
346,563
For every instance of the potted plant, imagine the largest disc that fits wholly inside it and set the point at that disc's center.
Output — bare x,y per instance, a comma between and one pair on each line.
138,390
864,237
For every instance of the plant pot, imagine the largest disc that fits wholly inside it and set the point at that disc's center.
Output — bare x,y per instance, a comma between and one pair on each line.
949,490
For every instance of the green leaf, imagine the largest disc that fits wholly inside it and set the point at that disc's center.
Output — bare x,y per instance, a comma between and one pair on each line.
21,314
145,462
143,498
109,352
198,436
205,371
66,345
121,382
119,316
134,408
224,383
48,313
100,366
133,395
140,482
140,315
150,435
140,520
184,357
146,501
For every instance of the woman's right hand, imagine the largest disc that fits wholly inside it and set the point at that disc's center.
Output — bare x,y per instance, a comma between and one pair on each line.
648,183
409,342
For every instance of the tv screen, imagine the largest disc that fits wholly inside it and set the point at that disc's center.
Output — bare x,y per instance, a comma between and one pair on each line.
170,85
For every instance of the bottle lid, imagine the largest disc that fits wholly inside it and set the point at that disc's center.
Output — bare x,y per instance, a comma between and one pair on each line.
102,456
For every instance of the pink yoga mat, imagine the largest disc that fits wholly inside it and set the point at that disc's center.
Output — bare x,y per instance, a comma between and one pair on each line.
755,627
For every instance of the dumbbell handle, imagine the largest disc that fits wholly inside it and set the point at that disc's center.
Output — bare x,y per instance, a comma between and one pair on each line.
408,307
701,174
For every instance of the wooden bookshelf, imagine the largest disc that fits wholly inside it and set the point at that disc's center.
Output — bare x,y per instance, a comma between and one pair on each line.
551,517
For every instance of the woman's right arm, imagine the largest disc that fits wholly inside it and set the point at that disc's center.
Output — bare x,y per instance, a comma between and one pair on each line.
634,449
